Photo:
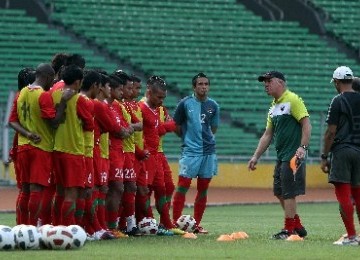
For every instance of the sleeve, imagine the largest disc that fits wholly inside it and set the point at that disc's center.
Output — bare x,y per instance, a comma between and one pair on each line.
334,111
179,114
139,153
106,118
13,114
298,109
85,112
47,106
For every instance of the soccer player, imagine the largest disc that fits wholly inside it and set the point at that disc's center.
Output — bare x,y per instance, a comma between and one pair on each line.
197,119
342,140
156,93
288,123
35,117
57,63
69,147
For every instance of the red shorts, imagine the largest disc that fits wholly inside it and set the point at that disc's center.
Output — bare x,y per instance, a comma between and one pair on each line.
155,170
17,173
128,168
141,174
89,172
101,168
35,166
116,166
69,169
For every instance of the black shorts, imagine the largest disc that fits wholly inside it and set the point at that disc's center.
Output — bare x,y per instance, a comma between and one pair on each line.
345,166
286,184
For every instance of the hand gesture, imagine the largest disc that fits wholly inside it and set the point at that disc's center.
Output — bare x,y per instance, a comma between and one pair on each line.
325,166
35,138
252,164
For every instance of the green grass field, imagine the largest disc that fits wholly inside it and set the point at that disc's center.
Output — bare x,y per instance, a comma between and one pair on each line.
259,221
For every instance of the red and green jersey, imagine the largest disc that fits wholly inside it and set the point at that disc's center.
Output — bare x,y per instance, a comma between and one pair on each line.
89,135
128,114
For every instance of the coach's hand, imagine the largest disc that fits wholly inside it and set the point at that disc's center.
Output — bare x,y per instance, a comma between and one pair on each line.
325,165
252,163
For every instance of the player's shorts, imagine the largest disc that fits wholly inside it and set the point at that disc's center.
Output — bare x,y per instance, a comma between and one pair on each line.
17,173
69,169
167,171
204,166
155,172
101,168
35,166
89,172
128,168
141,174
345,166
286,184
116,166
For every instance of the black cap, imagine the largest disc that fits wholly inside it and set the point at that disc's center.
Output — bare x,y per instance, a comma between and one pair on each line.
270,75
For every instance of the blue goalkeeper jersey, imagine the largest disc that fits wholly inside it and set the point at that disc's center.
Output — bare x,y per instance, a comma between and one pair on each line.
196,119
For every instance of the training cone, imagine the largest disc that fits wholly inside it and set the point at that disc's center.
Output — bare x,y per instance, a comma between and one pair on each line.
239,235
294,238
189,235
225,238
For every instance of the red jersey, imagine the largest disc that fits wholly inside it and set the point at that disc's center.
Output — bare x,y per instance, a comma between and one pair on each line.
115,143
150,127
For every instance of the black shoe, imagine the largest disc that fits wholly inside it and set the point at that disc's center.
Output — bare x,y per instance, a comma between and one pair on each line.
301,232
282,235
134,232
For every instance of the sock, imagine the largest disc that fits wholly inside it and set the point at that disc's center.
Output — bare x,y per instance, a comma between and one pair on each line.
121,217
179,197
68,213
140,206
149,212
128,203
101,196
297,223
170,187
201,199
34,207
162,207
17,209
24,207
289,225
343,195
112,218
79,212
89,214
56,209
355,192
46,204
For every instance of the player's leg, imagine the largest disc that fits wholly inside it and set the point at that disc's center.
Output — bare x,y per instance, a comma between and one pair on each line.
142,192
169,183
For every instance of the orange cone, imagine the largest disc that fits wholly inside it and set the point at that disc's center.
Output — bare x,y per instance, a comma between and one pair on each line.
189,235
294,238
225,238
239,235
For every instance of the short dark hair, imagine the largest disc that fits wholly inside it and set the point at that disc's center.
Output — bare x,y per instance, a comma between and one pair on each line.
71,74
90,77
26,77
155,82
114,81
76,59
122,75
135,78
199,75
58,61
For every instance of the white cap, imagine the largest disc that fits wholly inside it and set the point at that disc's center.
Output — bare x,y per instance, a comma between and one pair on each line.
342,72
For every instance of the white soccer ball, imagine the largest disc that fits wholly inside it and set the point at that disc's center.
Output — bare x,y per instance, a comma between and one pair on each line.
148,226
59,237
7,239
27,237
44,242
186,223
79,236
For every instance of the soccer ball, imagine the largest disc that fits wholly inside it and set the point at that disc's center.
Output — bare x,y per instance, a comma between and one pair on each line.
44,242
59,237
79,236
186,223
7,240
148,226
27,237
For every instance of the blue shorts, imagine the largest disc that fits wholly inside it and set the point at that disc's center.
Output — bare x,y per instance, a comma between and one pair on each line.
204,166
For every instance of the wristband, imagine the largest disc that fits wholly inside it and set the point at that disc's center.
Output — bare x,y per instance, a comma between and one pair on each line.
324,156
305,147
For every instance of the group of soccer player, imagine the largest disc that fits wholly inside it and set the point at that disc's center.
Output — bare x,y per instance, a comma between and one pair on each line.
87,152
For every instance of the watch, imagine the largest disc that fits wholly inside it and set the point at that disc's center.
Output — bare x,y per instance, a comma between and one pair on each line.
324,156
304,146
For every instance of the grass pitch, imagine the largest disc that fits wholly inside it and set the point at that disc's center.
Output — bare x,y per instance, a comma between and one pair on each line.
259,221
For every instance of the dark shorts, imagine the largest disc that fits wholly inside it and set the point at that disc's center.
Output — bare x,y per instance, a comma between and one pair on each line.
345,166
286,184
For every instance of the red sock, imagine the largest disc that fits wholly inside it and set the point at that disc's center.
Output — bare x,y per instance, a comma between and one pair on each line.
46,204
179,197
343,195
101,196
34,207
297,219
24,207
170,187
68,213
17,209
56,209
289,225
79,212
112,217
149,212
128,202
201,199
140,206
162,207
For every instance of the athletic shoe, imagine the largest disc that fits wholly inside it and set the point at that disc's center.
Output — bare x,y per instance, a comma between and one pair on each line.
90,237
177,231
162,231
301,231
104,235
200,230
118,233
135,232
355,241
282,235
